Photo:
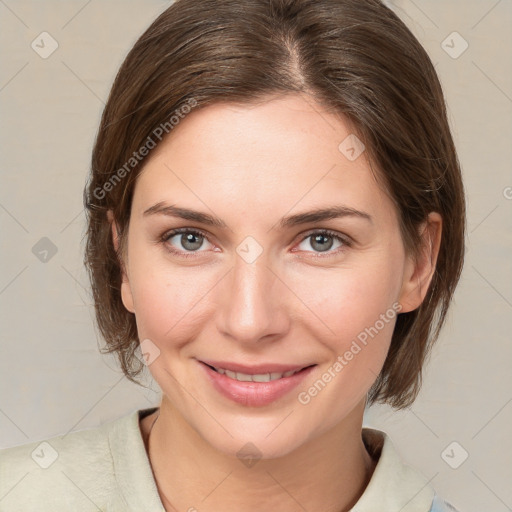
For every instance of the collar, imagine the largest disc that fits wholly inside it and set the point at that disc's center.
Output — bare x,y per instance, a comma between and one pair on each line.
393,487
137,488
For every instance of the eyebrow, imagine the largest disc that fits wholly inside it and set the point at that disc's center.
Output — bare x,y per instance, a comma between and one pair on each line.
315,215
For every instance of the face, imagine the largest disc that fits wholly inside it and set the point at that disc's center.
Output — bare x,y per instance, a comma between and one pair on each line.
254,287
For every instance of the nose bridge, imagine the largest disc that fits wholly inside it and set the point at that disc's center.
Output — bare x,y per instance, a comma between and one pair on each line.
252,309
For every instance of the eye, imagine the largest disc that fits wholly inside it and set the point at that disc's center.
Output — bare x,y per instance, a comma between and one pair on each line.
184,240
187,242
322,241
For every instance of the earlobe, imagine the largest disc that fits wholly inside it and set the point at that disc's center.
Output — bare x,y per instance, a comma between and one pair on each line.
126,292
419,271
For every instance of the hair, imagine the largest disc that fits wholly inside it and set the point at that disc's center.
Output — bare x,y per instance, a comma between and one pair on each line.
354,57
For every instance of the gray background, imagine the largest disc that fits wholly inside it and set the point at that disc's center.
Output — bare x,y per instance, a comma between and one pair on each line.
53,378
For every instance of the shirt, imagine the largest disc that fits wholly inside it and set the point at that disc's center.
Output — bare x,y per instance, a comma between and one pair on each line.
107,469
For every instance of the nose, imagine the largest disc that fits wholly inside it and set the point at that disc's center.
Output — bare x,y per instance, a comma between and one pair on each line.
253,304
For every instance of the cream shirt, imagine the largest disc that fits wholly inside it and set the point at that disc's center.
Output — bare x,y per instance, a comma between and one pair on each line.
107,469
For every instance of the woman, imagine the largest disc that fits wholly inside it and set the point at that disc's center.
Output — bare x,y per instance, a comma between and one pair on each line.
275,229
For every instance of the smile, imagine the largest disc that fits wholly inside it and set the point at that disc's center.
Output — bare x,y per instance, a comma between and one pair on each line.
254,386
257,377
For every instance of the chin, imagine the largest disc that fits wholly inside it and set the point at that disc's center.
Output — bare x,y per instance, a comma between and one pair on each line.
249,447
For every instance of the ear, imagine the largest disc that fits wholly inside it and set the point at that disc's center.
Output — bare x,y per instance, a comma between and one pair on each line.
419,271
126,292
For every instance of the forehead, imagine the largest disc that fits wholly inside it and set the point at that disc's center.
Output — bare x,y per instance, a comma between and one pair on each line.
264,157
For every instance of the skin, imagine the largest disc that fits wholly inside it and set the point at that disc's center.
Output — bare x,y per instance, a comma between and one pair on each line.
250,166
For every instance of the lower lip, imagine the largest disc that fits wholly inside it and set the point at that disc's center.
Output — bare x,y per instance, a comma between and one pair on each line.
254,394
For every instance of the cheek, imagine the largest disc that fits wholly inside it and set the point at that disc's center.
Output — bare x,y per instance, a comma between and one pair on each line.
360,311
355,313
168,301
347,300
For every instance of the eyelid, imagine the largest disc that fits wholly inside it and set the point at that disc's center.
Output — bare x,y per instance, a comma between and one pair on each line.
176,231
325,231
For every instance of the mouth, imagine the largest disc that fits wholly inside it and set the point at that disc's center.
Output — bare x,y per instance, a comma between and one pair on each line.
255,377
254,386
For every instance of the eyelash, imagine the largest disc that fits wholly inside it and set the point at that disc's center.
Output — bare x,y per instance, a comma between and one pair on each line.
347,242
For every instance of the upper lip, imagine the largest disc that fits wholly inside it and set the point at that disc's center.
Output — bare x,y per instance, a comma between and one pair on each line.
256,369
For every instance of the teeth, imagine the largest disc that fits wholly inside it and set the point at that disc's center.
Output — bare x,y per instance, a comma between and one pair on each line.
259,377
263,377
243,377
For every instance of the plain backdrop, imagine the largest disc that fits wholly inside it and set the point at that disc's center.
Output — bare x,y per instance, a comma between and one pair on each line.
53,378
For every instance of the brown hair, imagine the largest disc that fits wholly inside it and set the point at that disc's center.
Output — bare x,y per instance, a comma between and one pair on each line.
356,58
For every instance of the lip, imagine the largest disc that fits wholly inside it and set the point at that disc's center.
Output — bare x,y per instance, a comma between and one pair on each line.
254,394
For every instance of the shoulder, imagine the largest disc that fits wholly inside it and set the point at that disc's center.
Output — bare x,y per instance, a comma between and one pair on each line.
74,470
395,485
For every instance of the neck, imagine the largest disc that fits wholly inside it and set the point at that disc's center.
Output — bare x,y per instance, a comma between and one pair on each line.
328,473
